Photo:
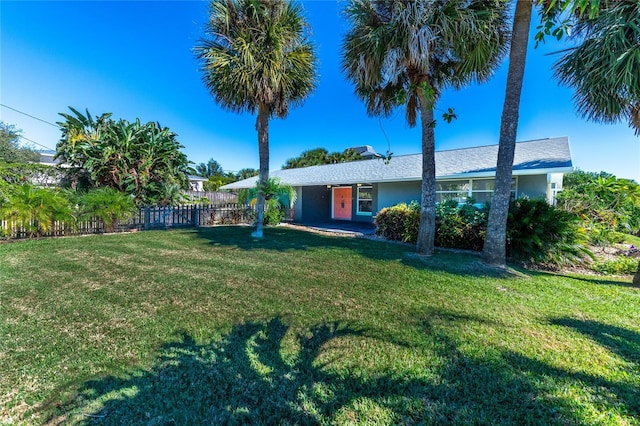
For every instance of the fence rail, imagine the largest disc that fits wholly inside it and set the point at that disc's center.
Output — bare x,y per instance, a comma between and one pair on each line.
150,217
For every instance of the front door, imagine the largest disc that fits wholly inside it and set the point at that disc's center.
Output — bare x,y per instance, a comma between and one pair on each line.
342,203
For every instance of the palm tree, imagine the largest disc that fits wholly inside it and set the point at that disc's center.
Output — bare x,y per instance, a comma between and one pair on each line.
494,250
256,58
406,52
604,68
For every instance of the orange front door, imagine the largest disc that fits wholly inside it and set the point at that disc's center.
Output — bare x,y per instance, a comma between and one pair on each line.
342,203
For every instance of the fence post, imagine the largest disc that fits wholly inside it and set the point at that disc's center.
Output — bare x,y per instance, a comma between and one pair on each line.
195,215
147,217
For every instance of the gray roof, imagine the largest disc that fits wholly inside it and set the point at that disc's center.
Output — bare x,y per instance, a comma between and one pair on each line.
531,157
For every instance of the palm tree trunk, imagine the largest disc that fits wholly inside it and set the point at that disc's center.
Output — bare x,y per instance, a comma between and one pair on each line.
494,251
636,277
427,230
262,125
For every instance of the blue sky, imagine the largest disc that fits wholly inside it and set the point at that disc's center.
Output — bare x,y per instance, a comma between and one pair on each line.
135,59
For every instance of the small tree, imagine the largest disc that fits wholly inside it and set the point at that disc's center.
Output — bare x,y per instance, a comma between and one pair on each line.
10,149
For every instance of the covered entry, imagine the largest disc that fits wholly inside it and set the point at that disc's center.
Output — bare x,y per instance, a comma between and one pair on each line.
341,201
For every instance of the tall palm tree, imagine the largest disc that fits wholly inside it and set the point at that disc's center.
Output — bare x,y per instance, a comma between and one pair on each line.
494,250
406,52
604,68
256,57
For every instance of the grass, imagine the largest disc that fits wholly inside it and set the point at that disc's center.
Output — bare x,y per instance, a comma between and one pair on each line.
632,239
211,327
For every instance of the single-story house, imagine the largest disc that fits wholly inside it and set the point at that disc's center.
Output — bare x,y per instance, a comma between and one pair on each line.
358,190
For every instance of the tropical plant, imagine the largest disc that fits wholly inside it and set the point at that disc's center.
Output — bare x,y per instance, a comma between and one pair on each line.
208,169
541,233
107,204
278,197
143,160
605,203
319,156
246,173
494,251
603,68
35,209
10,149
405,53
256,57
551,11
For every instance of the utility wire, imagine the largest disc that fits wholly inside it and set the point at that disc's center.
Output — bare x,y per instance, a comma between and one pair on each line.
29,115
35,143
35,118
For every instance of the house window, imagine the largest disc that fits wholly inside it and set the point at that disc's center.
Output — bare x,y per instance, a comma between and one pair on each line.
365,200
481,190
452,190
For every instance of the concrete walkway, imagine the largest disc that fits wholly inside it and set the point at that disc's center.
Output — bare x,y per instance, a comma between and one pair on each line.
340,226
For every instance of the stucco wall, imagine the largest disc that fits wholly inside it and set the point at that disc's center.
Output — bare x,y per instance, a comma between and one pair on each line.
316,204
390,194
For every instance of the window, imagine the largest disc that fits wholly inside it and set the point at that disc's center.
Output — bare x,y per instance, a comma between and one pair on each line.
457,190
365,200
481,190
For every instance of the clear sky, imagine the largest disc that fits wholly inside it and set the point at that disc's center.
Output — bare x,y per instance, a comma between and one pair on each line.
135,59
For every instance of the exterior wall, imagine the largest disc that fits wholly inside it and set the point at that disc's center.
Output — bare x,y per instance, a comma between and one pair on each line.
390,194
315,205
534,186
297,206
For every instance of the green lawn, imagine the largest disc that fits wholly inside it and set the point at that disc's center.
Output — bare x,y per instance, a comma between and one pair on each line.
211,327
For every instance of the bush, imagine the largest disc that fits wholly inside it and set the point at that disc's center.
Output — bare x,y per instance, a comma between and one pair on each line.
543,234
399,222
274,214
108,204
621,265
34,209
461,227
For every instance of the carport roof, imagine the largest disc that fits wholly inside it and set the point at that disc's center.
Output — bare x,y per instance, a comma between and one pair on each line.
532,157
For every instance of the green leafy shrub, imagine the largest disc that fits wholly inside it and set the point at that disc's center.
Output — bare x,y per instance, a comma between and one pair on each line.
274,213
540,233
462,227
621,265
399,222
108,205
36,210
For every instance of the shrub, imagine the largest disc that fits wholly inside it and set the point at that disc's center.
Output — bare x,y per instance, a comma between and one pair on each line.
107,204
274,214
541,233
462,227
621,265
399,222
34,209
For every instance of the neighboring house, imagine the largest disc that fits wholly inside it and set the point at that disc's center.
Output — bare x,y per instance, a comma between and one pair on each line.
359,190
366,151
46,158
196,183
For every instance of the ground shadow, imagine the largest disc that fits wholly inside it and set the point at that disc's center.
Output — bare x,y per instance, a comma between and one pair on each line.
624,342
245,378
286,239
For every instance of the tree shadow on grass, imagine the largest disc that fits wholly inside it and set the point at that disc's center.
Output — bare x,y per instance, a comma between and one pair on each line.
606,394
247,378
591,279
286,239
